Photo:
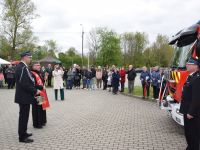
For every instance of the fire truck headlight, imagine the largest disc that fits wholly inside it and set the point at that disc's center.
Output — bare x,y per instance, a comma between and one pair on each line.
177,111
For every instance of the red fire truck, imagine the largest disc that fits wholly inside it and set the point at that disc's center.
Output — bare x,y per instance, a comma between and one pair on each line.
186,44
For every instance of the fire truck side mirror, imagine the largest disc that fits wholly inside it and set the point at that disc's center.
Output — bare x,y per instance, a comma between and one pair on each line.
198,48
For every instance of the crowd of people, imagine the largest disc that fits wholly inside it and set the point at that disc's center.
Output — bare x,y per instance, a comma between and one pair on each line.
110,78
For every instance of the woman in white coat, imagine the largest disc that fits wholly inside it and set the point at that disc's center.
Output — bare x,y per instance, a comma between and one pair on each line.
58,81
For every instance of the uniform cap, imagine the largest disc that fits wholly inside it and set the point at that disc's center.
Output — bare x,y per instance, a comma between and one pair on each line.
26,53
193,61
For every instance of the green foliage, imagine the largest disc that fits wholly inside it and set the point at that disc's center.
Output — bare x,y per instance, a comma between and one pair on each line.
159,53
109,52
16,19
71,57
133,45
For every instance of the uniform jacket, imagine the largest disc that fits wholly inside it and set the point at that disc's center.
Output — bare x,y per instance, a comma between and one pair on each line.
25,86
145,77
57,79
190,103
155,77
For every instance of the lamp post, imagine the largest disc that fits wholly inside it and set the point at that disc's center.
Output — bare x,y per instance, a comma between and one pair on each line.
82,43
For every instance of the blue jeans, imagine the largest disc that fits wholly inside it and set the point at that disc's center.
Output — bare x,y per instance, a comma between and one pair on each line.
84,83
89,86
69,84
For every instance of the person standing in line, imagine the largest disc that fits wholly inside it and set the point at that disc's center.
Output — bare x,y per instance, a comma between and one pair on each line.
84,78
131,78
58,81
70,77
77,77
110,80
10,75
190,105
155,77
99,77
89,78
145,78
24,95
65,76
115,80
43,73
49,71
92,81
105,78
122,74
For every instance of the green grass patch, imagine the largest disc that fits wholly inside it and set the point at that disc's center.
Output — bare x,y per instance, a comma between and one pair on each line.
138,91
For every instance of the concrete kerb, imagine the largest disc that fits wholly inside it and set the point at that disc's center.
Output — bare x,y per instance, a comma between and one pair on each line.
138,97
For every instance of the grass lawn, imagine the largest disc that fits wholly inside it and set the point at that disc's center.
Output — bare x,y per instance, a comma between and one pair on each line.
138,91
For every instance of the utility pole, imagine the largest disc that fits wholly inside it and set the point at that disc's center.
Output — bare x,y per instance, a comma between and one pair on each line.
82,44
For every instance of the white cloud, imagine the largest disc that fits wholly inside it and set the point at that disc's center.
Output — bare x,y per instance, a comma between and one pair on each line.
60,19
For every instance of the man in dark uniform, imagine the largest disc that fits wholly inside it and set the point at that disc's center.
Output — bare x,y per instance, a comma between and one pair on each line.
190,105
24,96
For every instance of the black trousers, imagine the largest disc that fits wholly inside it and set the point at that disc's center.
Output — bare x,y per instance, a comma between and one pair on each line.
10,82
23,120
37,114
105,84
115,89
49,81
147,89
155,92
192,132
122,86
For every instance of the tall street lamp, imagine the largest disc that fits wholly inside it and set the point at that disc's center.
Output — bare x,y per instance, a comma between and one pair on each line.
82,43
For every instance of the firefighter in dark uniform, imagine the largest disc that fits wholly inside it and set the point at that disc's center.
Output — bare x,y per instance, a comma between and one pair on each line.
24,96
190,105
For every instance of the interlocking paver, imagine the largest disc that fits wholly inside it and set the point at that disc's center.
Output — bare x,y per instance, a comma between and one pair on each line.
93,120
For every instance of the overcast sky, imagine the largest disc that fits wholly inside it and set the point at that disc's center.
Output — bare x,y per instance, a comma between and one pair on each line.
60,19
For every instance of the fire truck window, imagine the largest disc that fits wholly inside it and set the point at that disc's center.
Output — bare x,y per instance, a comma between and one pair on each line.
181,56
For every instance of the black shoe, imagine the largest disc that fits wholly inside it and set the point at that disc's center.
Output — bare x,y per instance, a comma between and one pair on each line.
28,134
26,140
38,127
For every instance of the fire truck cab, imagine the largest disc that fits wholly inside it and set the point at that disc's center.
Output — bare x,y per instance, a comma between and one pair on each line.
186,44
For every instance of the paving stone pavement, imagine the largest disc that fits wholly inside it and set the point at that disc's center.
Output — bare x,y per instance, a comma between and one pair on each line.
93,120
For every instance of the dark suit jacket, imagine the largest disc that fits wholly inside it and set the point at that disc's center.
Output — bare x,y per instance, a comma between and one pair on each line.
190,103
25,87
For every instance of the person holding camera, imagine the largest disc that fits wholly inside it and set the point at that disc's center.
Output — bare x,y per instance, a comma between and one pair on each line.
58,81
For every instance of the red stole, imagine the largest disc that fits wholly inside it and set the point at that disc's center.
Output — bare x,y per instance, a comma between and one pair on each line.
43,93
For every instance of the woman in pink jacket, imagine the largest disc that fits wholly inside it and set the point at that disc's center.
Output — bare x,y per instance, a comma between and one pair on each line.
99,77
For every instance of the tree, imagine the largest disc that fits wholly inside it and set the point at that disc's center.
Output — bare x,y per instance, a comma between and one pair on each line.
17,16
159,53
93,42
133,45
39,53
70,57
51,47
4,46
109,49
